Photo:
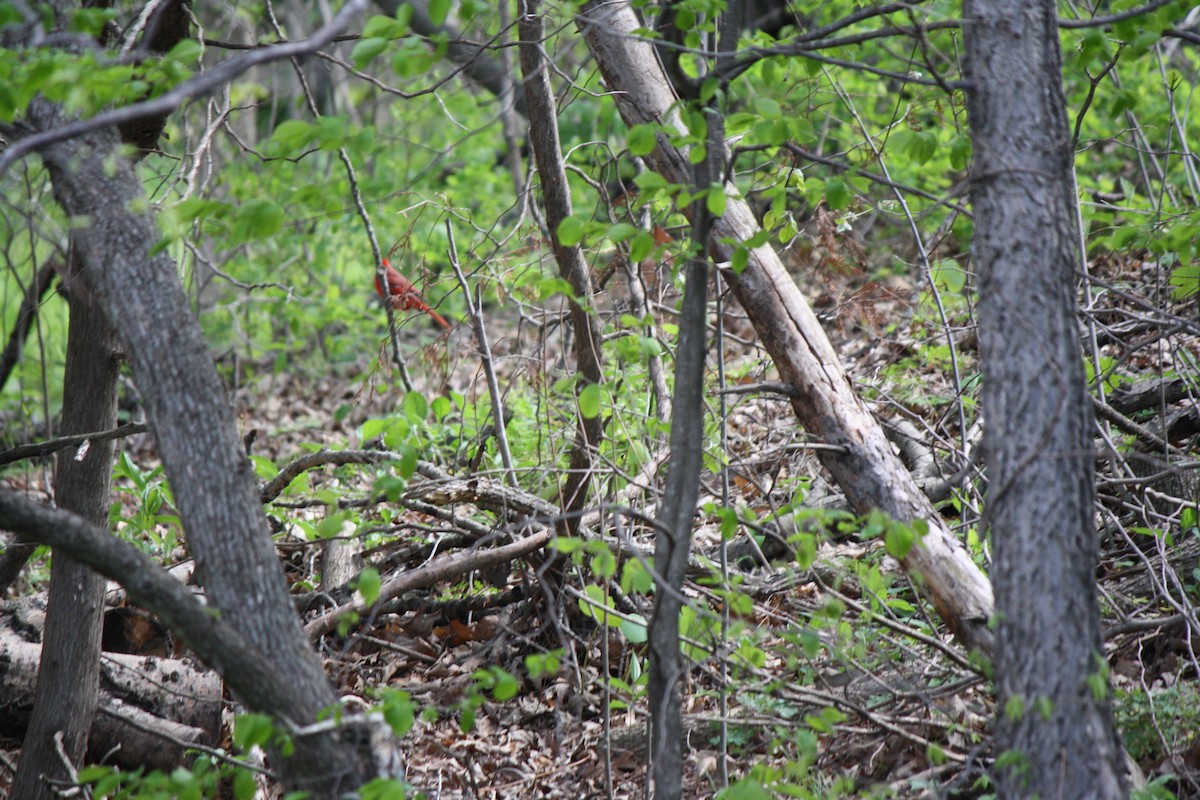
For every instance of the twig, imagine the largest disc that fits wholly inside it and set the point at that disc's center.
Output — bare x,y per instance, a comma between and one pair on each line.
475,312
435,571
1105,411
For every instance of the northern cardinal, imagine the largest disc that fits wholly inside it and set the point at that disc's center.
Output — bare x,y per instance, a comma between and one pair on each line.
404,297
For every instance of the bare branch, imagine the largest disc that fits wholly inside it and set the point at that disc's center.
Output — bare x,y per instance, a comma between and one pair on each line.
63,442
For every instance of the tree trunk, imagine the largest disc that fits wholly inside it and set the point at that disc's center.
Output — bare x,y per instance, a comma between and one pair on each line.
547,152
212,480
863,463
68,678
1051,677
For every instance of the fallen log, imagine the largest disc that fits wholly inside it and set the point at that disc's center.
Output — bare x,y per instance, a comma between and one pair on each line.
151,709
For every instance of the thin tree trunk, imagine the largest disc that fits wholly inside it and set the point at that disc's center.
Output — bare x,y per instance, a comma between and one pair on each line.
676,516
1051,676
68,677
547,152
862,462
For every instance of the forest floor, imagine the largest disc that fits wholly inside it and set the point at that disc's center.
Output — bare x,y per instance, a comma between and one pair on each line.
815,671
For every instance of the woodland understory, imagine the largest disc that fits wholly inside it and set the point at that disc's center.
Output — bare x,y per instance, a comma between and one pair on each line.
466,481
841,645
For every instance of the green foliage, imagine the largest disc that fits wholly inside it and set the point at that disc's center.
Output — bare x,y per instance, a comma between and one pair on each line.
494,681
214,778
207,778
1158,724
280,271
153,524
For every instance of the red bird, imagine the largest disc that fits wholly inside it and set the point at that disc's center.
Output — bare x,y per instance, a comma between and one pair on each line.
404,297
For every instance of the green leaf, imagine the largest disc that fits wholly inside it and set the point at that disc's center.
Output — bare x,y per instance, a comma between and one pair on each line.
332,525
752,654
818,724
90,21
1185,280
469,9
621,232
408,461
566,544
960,152
729,523
372,428
589,401
257,219
441,407
415,406
369,584
604,563
380,27
244,785
438,11
250,730
745,789
570,231
766,107
740,259
93,773
367,49
641,247
716,201
899,539
649,181
331,132
1124,100
837,194
948,276
634,629
1094,43
548,287
922,146
384,789
642,140
594,604
187,51
539,664
635,577
404,15
8,103
506,686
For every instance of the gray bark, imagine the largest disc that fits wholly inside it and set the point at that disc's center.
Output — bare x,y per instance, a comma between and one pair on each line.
211,477
68,678
1049,665
676,515
863,464
556,191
